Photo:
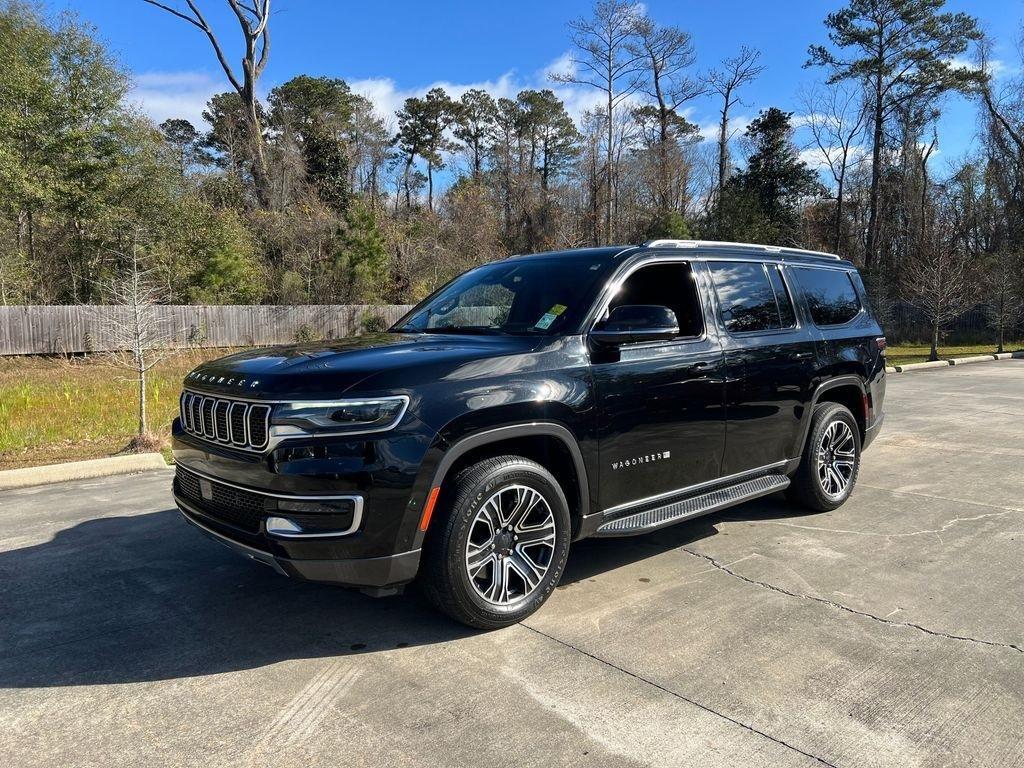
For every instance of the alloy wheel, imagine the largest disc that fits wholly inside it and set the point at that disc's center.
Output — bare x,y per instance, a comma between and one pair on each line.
836,458
511,544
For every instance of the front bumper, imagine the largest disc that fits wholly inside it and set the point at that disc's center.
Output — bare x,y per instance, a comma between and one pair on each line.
367,572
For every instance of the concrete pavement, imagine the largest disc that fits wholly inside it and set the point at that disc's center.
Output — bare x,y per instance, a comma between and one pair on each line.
886,633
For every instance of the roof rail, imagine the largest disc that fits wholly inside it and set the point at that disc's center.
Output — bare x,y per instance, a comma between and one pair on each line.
752,246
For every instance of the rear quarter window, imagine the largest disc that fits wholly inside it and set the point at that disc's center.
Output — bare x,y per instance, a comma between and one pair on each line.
831,296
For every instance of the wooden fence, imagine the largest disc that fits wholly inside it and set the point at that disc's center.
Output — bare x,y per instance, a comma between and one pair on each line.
36,330
30,330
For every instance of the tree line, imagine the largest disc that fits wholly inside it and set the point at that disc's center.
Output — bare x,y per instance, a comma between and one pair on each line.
311,196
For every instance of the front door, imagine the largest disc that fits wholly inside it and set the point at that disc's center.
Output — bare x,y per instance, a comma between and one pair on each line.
661,414
770,360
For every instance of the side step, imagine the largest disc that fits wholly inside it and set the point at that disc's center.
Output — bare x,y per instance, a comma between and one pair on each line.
695,506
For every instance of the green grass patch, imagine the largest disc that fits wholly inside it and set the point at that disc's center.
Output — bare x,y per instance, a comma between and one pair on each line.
902,354
55,409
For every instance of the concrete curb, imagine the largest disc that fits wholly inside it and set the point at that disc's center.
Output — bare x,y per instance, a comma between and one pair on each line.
974,359
911,367
921,366
80,470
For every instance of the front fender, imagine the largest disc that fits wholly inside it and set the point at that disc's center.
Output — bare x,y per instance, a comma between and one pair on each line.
467,434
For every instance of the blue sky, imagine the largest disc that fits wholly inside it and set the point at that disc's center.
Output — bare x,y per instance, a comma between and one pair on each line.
390,50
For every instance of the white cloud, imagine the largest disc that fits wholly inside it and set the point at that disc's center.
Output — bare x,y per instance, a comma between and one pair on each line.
997,68
163,95
738,125
388,98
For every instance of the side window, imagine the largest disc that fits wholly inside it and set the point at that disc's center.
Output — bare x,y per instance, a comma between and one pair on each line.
786,314
831,296
749,298
667,285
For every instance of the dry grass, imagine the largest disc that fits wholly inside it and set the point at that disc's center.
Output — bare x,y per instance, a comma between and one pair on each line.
54,410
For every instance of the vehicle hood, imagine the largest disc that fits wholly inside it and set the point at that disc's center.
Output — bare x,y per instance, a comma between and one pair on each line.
333,367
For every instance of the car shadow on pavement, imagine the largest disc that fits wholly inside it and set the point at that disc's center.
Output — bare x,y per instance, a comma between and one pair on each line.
591,557
146,597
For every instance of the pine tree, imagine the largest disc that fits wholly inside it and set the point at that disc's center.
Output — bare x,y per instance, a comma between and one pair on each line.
902,51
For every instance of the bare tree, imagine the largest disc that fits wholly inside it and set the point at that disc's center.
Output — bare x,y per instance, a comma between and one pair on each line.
937,279
606,61
132,329
836,118
1004,305
254,20
736,71
666,53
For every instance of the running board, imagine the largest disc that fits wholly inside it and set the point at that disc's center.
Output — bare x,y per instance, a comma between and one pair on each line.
695,506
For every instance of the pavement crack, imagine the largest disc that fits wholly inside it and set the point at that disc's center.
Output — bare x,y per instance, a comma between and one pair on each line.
839,606
942,498
681,697
878,534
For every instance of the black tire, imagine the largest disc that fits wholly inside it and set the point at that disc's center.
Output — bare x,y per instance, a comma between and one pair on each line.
810,483
462,521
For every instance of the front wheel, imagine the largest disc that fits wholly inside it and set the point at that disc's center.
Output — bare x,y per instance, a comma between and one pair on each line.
500,544
831,459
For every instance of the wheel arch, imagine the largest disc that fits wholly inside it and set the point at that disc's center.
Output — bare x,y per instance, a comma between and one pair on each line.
531,440
848,390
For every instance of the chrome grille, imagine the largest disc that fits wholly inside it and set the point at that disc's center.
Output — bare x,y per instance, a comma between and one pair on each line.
223,420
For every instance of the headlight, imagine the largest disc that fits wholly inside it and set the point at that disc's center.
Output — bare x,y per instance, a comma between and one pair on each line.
343,416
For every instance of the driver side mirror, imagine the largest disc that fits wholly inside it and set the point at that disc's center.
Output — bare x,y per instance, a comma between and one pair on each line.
637,322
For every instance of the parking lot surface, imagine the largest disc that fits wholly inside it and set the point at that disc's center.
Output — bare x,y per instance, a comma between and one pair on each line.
886,633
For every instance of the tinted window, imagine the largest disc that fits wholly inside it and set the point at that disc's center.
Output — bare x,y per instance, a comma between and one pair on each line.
830,295
542,296
786,314
747,298
665,285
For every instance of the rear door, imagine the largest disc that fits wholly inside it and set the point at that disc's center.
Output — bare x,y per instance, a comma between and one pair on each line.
770,358
661,414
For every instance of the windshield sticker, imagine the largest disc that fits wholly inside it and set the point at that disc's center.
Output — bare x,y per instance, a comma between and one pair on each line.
550,316
545,322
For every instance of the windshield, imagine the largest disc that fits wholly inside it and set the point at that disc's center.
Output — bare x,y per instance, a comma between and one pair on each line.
535,296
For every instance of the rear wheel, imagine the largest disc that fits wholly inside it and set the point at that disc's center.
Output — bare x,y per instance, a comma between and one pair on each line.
500,544
831,459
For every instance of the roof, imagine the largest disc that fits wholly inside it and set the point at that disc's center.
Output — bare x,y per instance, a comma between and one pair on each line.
738,250
724,246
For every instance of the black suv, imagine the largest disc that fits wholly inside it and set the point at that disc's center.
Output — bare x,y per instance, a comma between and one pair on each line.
532,402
